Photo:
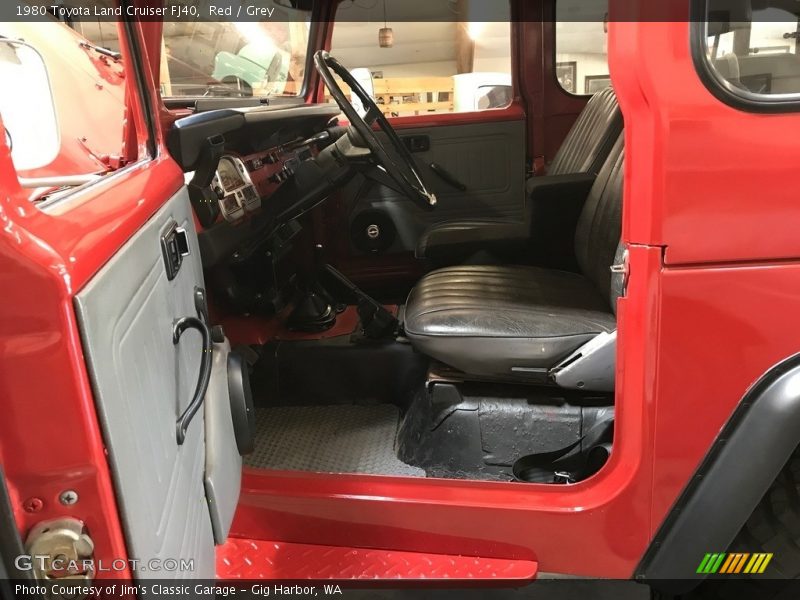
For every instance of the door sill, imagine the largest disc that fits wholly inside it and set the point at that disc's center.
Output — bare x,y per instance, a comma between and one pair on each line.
241,558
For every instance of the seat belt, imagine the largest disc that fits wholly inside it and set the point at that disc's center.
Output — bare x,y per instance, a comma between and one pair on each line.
539,166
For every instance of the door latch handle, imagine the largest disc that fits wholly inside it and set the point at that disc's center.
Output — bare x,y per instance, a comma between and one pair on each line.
174,247
179,327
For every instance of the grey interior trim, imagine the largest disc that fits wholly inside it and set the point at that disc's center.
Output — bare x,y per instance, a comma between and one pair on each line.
744,460
141,383
489,158
591,367
223,476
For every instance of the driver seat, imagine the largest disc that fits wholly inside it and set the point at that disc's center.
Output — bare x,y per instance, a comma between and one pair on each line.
518,322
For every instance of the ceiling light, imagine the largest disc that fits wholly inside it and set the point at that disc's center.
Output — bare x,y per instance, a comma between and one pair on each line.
386,33
475,29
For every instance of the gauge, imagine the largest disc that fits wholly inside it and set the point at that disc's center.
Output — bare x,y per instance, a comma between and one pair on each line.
230,207
234,189
230,177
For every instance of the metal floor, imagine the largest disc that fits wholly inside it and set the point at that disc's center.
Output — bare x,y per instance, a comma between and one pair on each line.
329,439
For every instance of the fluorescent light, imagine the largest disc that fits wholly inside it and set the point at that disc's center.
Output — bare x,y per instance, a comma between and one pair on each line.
475,29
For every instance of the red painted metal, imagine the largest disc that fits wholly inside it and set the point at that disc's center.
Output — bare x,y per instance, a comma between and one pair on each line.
712,183
257,559
713,291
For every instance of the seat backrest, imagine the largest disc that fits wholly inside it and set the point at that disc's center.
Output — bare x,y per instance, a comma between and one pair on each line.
600,223
591,137
728,67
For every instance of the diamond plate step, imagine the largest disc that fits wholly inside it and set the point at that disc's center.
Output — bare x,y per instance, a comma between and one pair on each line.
257,559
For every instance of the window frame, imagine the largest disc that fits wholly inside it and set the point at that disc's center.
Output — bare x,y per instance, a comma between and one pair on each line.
720,87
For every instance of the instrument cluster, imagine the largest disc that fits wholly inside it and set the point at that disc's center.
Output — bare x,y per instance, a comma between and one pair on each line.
236,193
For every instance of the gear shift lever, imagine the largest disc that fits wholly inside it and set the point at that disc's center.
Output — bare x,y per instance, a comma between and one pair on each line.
313,312
376,321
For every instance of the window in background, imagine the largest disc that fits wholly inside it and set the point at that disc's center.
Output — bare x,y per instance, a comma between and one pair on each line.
581,46
755,51
424,58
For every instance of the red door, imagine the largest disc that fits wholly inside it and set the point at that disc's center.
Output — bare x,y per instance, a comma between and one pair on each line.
95,372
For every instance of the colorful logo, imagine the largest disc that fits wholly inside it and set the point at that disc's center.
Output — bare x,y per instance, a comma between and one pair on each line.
732,563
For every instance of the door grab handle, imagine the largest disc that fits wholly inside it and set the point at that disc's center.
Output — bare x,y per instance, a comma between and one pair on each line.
447,176
178,328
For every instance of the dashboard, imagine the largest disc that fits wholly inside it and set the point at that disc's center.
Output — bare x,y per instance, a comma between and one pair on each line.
242,164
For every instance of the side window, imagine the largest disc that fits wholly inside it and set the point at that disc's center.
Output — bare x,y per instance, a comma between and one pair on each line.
457,60
752,47
62,103
581,47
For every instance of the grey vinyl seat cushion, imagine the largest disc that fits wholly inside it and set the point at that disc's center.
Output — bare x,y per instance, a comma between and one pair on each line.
509,321
584,150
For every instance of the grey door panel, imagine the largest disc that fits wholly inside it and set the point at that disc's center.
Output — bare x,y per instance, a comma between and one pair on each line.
223,476
488,158
142,382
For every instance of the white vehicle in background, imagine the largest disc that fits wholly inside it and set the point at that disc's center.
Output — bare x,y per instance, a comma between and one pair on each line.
480,91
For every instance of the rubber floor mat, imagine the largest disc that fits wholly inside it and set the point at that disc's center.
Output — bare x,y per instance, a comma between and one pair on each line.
329,439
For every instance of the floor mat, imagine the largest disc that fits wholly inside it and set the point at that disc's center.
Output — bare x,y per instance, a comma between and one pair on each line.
329,439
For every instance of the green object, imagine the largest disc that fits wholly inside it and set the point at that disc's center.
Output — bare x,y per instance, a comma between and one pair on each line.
259,65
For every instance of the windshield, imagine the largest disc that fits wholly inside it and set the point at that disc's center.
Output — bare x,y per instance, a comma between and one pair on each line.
236,58
230,57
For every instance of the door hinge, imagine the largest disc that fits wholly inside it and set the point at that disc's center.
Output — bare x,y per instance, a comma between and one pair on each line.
621,270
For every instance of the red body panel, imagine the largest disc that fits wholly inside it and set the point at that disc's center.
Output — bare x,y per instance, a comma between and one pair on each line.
711,183
712,186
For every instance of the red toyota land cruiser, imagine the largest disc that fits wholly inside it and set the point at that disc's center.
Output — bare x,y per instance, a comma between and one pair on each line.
400,289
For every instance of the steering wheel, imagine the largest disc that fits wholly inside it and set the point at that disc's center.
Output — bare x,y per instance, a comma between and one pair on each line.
404,173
